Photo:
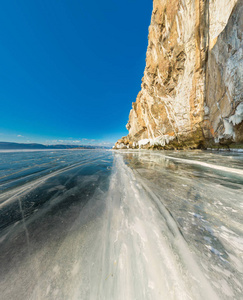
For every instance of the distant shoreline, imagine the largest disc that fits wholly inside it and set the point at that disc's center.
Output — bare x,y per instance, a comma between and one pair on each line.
40,147
37,150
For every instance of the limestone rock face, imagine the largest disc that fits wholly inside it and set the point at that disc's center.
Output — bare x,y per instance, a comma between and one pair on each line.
191,91
224,88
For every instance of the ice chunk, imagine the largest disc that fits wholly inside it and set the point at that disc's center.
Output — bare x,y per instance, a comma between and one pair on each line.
238,116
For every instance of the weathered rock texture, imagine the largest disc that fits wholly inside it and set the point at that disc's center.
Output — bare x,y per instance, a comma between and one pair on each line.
192,89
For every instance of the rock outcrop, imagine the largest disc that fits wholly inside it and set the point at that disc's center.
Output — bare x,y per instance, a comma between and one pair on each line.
192,90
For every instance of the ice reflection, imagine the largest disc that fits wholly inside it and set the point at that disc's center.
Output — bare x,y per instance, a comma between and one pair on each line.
206,205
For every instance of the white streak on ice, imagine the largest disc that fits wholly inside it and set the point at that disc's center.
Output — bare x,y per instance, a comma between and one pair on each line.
153,260
211,166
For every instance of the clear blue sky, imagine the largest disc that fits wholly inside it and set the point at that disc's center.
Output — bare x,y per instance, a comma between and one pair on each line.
70,69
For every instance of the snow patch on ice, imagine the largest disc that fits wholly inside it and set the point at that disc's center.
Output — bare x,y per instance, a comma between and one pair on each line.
75,269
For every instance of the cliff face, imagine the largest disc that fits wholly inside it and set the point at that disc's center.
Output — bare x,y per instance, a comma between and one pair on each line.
192,89
224,80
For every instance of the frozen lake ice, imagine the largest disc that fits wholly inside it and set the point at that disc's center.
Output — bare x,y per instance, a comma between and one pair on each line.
94,224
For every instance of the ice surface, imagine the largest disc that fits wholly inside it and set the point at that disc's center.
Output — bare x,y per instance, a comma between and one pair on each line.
121,225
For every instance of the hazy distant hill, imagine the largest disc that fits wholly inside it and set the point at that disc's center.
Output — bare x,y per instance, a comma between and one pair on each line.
12,146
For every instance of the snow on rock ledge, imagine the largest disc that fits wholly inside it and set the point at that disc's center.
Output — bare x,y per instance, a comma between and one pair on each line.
159,141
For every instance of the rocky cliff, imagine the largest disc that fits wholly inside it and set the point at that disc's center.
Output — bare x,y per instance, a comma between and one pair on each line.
192,90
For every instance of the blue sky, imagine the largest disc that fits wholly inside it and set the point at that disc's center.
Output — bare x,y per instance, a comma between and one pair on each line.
70,69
